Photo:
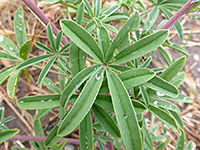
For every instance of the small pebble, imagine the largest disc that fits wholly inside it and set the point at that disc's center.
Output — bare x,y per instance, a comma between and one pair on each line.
69,147
196,57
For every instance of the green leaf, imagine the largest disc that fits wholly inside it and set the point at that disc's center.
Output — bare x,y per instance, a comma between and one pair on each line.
180,98
181,141
111,28
164,117
85,133
176,47
39,102
135,77
83,104
177,25
160,85
4,75
64,63
158,138
88,7
51,37
33,61
111,10
145,96
65,47
77,59
24,50
43,47
106,121
164,104
8,45
7,119
178,80
10,57
41,113
125,113
164,55
141,47
19,26
80,13
152,16
51,85
174,2
7,134
52,137
120,68
45,70
114,17
98,8
163,145
58,40
104,39
82,39
1,113
37,127
121,41
147,62
12,83
59,146
173,69
76,82
177,118
189,146
105,102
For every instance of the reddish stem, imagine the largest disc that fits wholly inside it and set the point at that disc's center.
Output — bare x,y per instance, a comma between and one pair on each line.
40,139
43,18
180,13
110,145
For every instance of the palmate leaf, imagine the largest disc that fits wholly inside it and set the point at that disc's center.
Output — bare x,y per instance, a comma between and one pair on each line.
6,134
82,39
122,38
86,133
125,113
46,69
141,47
76,83
83,103
19,26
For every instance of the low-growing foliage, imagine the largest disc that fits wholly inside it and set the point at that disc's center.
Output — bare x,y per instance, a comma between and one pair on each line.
118,86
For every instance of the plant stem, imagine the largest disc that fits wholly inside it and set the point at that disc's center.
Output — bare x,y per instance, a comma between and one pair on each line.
180,13
36,10
41,139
